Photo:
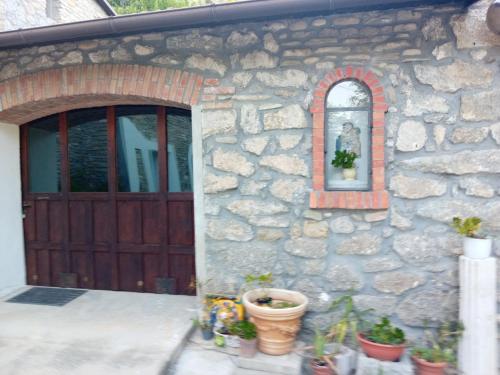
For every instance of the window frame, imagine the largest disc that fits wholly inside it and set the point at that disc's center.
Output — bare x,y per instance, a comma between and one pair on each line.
369,109
375,198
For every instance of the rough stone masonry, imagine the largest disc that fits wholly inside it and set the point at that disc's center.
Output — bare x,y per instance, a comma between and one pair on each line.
440,70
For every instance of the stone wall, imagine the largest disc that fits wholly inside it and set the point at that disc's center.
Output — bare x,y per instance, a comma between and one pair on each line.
439,68
20,14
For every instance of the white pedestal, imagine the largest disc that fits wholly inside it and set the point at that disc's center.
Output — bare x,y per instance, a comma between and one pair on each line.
478,348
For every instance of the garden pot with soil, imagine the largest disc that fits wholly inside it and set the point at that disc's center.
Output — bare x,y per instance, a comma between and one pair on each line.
381,352
277,321
320,367
429,368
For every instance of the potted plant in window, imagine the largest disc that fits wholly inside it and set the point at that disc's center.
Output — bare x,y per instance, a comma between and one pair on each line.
439,349
383,341
276,314
345,159
247,332
475,245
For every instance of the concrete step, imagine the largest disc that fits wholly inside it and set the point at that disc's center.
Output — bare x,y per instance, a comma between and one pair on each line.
288,364
244,371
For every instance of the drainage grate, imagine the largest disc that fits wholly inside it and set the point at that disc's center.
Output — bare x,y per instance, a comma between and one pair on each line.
47,296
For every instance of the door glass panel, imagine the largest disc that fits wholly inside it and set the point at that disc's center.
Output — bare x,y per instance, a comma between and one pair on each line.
44,156
137,149
180,154
88,150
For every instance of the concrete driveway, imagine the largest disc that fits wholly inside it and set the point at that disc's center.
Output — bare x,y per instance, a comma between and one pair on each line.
100,332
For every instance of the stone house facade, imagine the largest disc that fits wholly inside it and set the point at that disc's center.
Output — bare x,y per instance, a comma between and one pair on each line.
259,88
20,14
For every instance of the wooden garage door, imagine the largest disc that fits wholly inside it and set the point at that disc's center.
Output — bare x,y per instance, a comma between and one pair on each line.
108,199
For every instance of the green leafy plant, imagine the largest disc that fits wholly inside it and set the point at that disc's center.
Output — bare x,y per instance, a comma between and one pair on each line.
350,322
243,329
203,324
344,159
263,282
468,227
321,357
441,345
385,333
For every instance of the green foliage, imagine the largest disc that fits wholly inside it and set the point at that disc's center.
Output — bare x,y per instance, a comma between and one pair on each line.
441,345
385,333
203,324
319,344
467,227
350,321
344,159
262,281
137,6
244,329
283,305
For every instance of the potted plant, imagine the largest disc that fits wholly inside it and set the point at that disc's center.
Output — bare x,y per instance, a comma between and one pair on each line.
247,333
276,313
345,159
383,341
321,364
439,349
475,245
345,328
206,328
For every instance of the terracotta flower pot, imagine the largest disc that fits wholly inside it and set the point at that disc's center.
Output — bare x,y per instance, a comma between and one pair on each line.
248,348
429,368
320,369
276,328
380,351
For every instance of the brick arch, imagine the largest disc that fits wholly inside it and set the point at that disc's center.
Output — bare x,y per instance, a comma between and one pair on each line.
377,197
39,94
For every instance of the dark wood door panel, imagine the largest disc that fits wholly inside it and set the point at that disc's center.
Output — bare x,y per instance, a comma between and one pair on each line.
102,226
79,215
180,223
151,222
131,272
111,240
129,222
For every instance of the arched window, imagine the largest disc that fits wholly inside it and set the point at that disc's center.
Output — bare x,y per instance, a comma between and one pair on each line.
348,112
347,138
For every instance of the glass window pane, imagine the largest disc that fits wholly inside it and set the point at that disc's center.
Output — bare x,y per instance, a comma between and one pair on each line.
348,94
348,130
44,156
137,149
88,150
180,154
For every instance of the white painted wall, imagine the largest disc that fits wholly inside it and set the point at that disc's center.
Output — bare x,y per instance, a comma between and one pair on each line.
12,266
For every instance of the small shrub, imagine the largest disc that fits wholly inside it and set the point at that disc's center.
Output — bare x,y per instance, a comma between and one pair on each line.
244,329
385,333
344,159
468,227
441,345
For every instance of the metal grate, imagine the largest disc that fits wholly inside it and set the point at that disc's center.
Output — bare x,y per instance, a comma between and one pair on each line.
47,296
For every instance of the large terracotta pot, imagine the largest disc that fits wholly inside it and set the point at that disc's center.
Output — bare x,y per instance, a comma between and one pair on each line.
428,368
380,351
276,328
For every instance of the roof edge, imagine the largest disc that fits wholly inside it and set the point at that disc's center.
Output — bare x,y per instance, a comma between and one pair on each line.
107,7
185,18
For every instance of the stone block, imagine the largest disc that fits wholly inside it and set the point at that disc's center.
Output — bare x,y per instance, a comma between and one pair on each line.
372,366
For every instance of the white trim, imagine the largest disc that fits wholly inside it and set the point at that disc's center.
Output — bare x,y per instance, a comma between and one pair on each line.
199,203
12,263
